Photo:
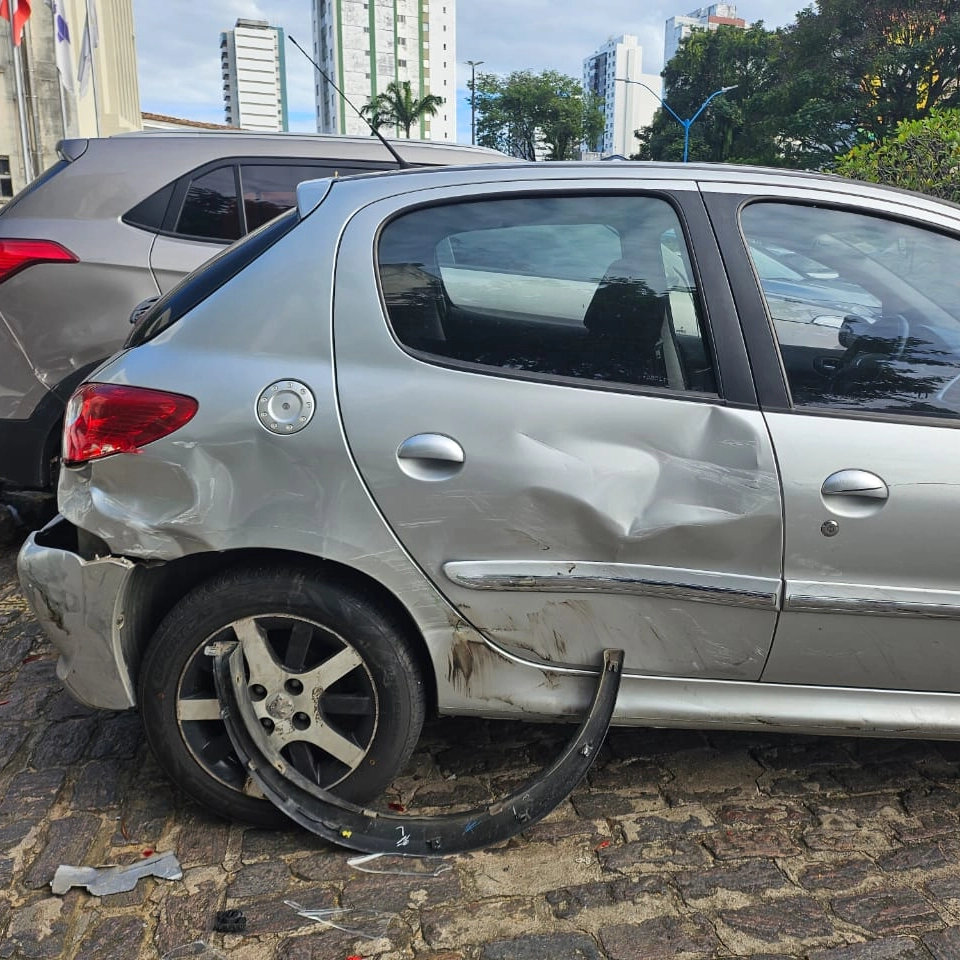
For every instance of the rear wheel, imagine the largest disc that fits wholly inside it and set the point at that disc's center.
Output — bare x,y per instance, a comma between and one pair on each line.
329,674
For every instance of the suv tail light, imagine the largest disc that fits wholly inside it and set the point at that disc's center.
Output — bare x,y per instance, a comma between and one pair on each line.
107,418
17,255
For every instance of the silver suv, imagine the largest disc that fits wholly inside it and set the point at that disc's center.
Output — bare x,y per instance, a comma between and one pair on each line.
445,440
122,219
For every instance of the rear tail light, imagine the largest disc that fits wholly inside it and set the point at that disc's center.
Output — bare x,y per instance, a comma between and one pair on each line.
17,255
107,418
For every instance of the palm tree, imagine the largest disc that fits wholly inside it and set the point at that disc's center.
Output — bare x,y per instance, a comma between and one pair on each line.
373,113
397,105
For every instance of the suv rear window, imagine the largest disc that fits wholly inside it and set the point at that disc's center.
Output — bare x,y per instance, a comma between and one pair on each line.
210,209
197,286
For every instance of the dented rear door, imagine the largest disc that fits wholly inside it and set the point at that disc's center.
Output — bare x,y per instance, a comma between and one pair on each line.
545,390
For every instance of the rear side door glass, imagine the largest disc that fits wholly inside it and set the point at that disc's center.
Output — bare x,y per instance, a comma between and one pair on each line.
866,309
270,189
596,289
211,209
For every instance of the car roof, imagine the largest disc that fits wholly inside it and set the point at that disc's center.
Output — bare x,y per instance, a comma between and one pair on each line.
340,145
727,177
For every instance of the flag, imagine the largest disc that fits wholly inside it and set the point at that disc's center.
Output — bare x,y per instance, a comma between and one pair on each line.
64,57
21,13
91,40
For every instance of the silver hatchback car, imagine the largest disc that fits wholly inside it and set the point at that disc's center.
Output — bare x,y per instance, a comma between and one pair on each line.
435,440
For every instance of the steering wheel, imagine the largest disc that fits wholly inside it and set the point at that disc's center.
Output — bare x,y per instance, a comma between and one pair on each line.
871,345
886,336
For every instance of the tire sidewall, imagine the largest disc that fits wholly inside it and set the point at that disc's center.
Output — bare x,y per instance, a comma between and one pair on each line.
327,601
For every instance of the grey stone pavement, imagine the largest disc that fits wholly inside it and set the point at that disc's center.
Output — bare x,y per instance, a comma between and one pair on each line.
680,844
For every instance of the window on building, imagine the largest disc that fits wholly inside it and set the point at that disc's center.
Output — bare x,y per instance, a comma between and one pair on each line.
401,63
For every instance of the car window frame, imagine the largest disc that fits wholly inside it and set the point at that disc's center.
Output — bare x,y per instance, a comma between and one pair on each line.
725,207
727,351
325,167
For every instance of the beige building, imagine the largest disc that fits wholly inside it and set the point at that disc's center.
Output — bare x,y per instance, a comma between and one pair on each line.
79,79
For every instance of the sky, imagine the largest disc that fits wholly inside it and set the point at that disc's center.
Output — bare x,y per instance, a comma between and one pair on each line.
178,44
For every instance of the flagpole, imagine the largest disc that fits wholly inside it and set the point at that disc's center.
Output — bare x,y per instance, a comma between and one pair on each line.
63,102
93,68
21,100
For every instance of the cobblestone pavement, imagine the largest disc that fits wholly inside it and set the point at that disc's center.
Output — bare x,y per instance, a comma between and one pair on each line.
681,844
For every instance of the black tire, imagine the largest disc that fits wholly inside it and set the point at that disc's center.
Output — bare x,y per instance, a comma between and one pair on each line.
371,712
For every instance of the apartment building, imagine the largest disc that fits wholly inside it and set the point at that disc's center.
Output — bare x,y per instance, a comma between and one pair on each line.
679,27
630,97
364,45
252,62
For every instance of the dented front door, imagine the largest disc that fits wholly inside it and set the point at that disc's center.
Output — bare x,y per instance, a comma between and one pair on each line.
567,483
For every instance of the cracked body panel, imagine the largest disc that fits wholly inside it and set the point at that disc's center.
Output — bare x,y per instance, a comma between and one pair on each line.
81,606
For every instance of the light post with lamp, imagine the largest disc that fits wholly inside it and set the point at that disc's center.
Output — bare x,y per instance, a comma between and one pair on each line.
473,64
686,124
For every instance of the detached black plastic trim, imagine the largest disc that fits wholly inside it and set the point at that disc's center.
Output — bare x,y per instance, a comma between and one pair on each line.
371,831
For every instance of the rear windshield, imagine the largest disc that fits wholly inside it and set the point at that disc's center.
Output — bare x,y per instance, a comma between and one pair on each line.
196,287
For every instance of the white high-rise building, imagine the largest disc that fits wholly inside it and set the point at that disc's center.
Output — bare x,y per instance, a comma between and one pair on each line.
678,28
254,76
626,106
364,46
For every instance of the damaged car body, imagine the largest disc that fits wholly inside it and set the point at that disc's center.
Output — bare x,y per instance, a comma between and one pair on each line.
441,448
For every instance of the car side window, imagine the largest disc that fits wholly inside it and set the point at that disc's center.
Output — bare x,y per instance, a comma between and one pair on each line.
210,209
271,188
596,289
866,310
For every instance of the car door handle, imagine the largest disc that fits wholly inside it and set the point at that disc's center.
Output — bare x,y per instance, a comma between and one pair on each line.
431,446
430,456
855,483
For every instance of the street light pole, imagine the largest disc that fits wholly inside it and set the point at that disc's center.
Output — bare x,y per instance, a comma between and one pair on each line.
686,124
473,64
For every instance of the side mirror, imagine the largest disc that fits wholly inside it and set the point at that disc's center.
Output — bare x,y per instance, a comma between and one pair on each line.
141,308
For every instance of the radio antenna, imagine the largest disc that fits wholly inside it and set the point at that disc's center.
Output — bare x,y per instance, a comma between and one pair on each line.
393,153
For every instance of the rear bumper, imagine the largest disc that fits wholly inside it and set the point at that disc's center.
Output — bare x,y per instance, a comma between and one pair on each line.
82,606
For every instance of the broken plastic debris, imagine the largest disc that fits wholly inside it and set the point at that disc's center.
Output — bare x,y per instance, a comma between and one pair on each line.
103,880
369,924
392,865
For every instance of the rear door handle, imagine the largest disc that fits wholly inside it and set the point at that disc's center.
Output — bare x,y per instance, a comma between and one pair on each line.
855,483
430,456
431,446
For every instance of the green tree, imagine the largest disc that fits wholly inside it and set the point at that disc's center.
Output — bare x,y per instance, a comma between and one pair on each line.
372,113
844,73
890,60
922,155
519,113
735,127
397,106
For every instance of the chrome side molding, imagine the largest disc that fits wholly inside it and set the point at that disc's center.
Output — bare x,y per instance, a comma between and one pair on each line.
672,583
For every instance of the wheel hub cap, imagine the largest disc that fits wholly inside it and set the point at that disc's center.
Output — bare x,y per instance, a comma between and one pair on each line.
280,707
